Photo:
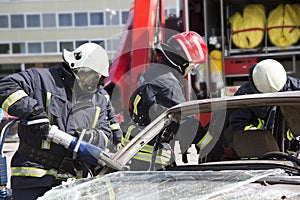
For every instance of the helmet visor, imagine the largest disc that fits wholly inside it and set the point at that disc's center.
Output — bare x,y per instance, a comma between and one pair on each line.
196,68
88,79
193,68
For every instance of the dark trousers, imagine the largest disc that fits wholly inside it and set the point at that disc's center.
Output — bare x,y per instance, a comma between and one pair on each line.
28,194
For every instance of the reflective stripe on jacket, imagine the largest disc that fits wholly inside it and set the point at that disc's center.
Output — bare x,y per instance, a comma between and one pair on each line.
36,172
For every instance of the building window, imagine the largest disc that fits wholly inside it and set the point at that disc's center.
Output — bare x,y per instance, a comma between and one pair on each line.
172,11
6,69
66,45
52,65
3,21
112,44
4,48
34,47
17,21
65,19
50,47
49,20
96,18
18,48
112,17
33,21
100,42
124,16
78,43
81,19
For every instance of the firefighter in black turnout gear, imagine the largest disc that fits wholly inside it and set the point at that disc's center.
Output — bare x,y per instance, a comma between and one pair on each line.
69,96
264,77
161,87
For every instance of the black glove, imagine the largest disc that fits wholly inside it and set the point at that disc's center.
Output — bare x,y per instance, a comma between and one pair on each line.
39,123
95,137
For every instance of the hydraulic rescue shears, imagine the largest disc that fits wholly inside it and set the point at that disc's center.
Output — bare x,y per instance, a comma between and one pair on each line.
77,146
82,149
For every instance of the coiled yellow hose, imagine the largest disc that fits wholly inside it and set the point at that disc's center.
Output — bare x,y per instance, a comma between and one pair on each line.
248,30
283,25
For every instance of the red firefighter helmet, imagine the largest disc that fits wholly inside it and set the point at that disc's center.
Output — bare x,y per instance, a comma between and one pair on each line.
191,48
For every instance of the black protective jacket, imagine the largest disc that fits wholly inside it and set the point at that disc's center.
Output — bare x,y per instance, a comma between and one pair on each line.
242,118
159,88
52,89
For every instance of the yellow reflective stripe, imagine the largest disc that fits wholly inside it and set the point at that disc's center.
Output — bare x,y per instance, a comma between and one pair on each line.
290,152
147,158
97,114
48,97
135,103
147,148
115,126
37,172
124,141
289,135
28,171
252,127
11,99
166,153
205,140
249,127
45,144
128,133
260,123
110,188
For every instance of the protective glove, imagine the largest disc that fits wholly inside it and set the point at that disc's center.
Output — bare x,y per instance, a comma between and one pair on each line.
39,123
95,137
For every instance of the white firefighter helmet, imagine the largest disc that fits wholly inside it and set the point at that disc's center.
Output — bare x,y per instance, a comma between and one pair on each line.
89,55
269,76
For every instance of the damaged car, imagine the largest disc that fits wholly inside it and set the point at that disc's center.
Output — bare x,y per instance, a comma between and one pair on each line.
252,164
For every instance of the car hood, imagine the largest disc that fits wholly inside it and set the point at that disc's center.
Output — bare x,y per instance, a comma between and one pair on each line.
227,184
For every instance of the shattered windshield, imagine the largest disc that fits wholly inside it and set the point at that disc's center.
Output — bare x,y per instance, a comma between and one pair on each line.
165,185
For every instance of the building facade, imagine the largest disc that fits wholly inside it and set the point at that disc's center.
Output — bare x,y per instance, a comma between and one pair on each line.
34,33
